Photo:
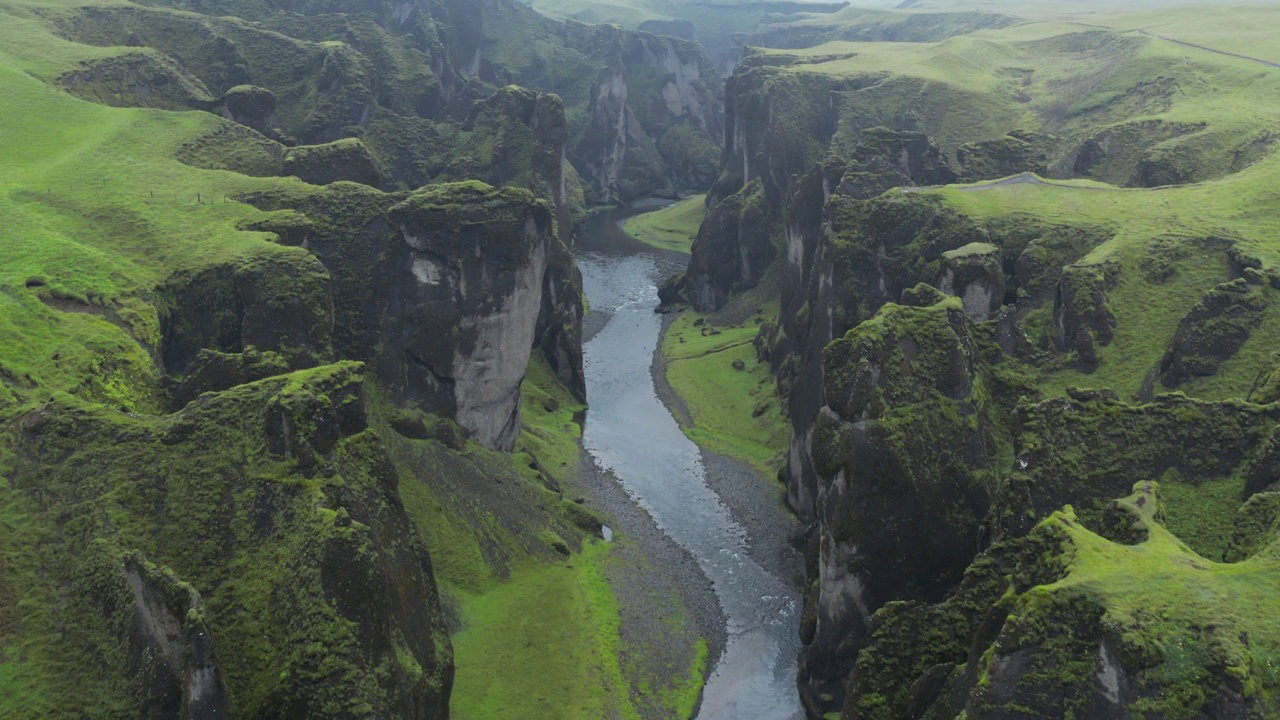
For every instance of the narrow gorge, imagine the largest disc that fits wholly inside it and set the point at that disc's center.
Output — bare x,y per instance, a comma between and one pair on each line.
639,359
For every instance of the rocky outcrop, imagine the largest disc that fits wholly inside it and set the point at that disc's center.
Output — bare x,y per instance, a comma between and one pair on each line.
253,107
762,151
344,160
1026,633
734,247
174,645
340,616
1082,318
1212,332
470,294
1013,154
138,80
281,302
214,371
975,274
943,536
447,290
839,273
901,451
775,123
884,159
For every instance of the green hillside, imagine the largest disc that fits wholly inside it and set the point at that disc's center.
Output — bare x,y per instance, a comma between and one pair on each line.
252,512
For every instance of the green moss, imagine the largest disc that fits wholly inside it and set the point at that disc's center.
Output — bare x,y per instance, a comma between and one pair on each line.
1203,516
246,462
551,417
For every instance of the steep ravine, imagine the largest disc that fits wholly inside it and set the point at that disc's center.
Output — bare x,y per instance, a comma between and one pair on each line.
696,498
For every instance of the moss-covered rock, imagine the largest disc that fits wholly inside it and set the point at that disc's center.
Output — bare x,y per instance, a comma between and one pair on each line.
884,159
344,160
274,301
975,274
1013,154
1082,318
214,371
252,106
1064,623
734,247
314,597
1255,528
236,148
905,450
1213,331
138,79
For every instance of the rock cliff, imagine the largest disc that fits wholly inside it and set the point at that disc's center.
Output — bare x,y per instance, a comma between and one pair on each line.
469,294
646,109
341,584
970,508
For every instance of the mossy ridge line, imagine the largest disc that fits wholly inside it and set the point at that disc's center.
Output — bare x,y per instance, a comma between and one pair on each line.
1163,599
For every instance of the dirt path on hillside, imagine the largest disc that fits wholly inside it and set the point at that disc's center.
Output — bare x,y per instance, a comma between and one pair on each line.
1238,56
1184,43
1023,179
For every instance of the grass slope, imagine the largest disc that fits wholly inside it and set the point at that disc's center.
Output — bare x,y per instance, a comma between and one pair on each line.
544,644
1166,601
730,397
671,228
96,211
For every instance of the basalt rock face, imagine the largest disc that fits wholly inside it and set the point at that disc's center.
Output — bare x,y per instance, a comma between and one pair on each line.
886,247
653,116
530,134
172,647
903,445
763,149
447,290
1082,317
470,294
733,249
975,274
402,77
923,525
777,126
340,616
897,452
933,471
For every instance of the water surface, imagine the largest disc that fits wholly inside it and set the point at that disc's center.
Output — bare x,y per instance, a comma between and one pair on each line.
630,433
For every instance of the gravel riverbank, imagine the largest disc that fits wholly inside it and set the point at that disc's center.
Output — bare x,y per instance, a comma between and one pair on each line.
649,569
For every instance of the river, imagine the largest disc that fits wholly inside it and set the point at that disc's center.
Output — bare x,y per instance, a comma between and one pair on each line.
631,434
